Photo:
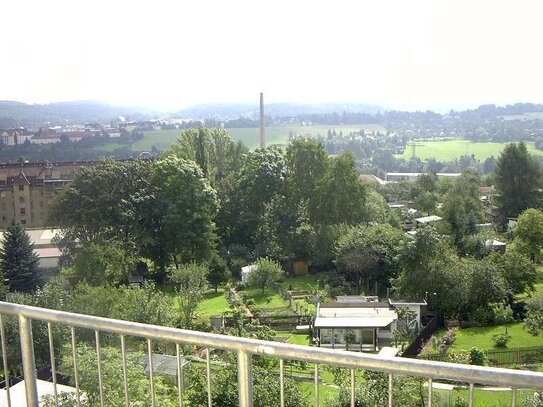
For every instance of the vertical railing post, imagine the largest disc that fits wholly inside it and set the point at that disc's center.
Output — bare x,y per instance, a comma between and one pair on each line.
29,365
245,379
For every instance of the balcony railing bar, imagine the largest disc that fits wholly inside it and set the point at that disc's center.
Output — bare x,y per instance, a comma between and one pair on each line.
5,359
99,363
151,372
282,381
353,397
76,375
430,388
208,378
390,384
245,348
317,385
53,363
125,373
180,377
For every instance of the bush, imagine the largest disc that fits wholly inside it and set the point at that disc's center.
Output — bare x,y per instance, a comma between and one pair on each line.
477,357
501,340
483,316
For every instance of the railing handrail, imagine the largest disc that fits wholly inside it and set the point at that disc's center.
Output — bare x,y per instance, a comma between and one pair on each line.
354,360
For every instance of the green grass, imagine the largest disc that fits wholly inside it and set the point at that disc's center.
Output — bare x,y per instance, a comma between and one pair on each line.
299,339
301,283
270,298
481,337
450,149
215,303
488,398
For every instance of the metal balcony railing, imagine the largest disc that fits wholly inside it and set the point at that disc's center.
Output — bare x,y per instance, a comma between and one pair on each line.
244,348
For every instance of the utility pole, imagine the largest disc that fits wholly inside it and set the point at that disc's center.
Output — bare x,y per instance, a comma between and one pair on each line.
262,128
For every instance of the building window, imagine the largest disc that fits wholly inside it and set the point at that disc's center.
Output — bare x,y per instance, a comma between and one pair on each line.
23,211
4,218
3,194
23,221
21,187
21,199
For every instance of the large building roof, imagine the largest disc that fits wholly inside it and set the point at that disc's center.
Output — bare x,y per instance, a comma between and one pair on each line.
363,315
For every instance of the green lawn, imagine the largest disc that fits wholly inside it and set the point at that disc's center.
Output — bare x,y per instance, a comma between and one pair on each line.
215,303
481,337
299,339
488,398
450,149
302,283
270,298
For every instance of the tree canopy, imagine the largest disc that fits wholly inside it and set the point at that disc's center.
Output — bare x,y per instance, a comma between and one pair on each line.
518,178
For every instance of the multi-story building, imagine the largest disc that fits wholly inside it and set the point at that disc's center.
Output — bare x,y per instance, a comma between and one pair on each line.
27,189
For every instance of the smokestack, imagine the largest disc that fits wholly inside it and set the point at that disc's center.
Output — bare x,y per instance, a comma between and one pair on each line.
262,132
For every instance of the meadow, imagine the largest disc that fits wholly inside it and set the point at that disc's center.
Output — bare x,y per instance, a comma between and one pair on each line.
276,135
447,150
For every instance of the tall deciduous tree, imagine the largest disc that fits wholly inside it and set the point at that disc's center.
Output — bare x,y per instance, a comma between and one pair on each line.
212,149
431,269
529,233
518,179
189,207
340,195
462,208
244,196
265,273
307,161
18,261
367,255
191,279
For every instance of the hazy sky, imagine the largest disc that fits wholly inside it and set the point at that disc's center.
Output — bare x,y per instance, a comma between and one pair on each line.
171,54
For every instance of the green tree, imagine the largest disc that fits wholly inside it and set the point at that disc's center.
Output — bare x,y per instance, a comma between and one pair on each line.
518,179
283,231
212,149
529,233
432,270
367,255
218,271
101,263
340,196
18,262
244,195
307,161
266,273
190,205
462,208
191,280
516,270
427,202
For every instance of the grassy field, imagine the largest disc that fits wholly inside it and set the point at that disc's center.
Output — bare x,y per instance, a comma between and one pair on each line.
215,303
450,149
270,298
481,337
277,135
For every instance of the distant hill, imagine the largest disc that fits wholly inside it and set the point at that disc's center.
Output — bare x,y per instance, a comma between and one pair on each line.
16,114
223,111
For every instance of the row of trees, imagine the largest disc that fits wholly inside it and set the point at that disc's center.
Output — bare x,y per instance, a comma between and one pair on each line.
208,197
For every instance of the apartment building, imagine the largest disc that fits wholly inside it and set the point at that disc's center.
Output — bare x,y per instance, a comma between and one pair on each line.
27,189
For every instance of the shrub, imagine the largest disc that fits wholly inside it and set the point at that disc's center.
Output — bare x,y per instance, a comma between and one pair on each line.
477,357
501,340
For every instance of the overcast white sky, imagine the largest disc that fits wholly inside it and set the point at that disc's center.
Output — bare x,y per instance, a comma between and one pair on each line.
170,54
